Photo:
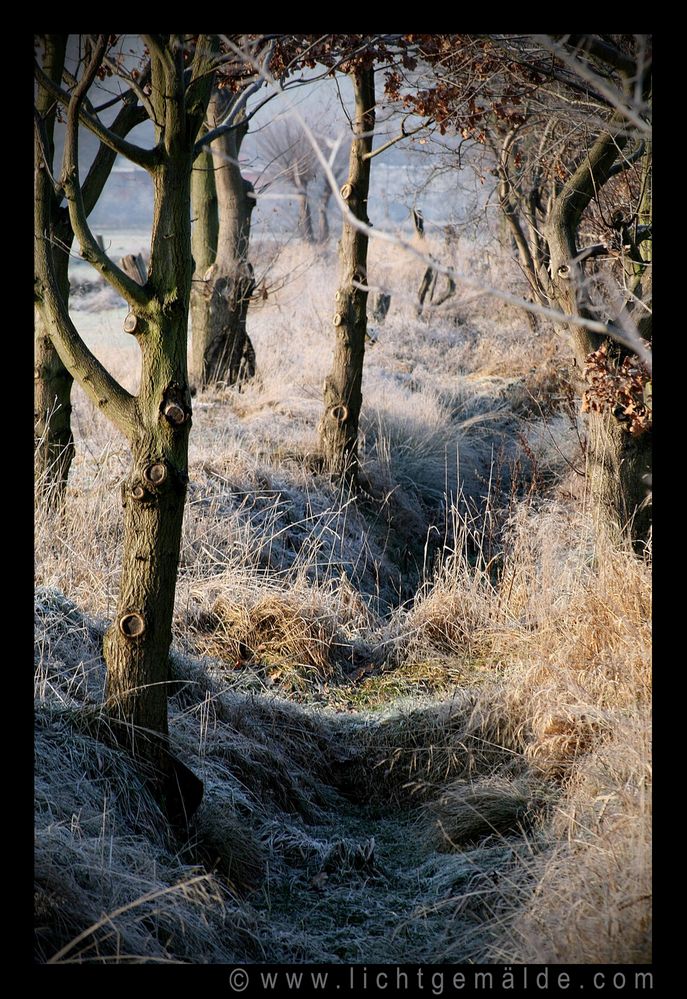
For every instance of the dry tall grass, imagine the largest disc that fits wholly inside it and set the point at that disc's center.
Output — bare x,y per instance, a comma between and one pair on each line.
421,715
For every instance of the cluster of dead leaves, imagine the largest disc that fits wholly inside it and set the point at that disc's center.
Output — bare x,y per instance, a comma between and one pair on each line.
623,388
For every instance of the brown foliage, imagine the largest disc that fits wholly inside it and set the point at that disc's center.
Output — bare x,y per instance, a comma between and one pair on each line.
624,389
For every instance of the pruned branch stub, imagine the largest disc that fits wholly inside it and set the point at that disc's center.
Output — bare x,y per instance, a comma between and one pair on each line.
132,624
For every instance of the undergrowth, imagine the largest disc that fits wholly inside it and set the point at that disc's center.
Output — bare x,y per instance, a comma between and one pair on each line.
421,713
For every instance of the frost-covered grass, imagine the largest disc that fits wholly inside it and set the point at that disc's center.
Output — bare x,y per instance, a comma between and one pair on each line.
421,714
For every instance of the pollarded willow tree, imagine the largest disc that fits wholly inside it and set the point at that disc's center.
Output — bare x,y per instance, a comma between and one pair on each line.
222,293
356,56
568,121
291,161
54,449
223,203
155,422
343,385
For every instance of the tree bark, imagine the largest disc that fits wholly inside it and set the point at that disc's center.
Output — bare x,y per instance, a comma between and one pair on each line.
54,450
137,643
54,442
304,217
617,467
343,385
205,215
222,352
617,461
156,422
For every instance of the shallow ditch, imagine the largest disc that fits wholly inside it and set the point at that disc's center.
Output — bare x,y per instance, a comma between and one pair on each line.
362,885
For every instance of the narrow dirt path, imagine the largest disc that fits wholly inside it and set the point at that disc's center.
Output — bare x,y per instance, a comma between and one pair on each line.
367,890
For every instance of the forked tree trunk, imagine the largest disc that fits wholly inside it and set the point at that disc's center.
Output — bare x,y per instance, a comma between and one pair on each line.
53,382
156,422
137,643
617,462
222,352
343,385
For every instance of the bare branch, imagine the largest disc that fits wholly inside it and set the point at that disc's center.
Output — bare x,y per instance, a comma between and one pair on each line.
603,51
44,144
157,48
53,61
236,110
582,70
402,135
627,338
199,86
590,176
146,158
90,250
509,207
129,116
97,382
134,85
627,161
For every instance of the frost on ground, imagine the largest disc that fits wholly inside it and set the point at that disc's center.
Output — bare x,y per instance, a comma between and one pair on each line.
421,714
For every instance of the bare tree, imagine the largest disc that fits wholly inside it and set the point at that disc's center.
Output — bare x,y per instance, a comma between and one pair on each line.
355,55
53,382
343,385
156,422
547,217
292,161
223,283
563,117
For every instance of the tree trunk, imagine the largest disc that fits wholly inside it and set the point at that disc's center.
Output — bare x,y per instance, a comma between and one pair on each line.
54,441
343,385
222,352
53,382
205,231
645,217
322,217
617,461
136,645
156,422
617,466
304,217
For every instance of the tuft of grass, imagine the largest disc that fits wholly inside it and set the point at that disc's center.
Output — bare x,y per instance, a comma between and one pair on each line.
466,812
277,632
585,895
109,883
